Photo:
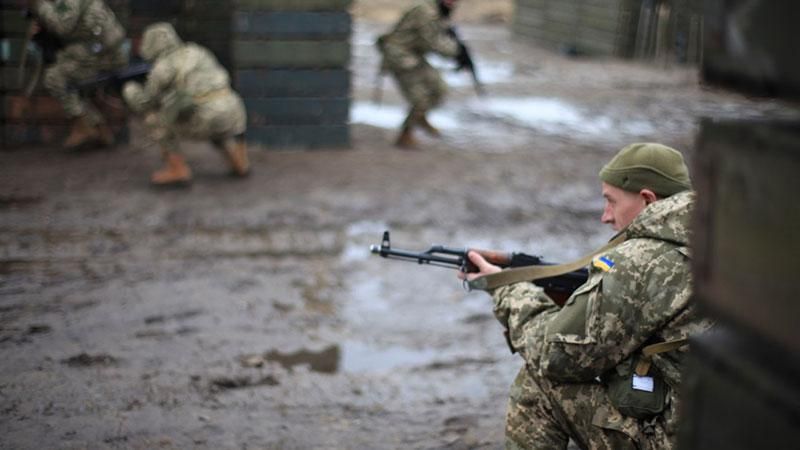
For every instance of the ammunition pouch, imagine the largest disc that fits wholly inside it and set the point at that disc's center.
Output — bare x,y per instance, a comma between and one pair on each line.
632,402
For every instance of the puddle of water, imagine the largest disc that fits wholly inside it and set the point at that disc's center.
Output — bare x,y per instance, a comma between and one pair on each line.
484,118
361,357
355,249
392,116
489,73
323,361
357,357
366,298
545,114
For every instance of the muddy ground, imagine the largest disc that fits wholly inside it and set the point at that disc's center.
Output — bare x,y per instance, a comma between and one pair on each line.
250,314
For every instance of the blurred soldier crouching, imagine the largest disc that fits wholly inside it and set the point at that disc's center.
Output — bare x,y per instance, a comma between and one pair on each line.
187,95
92,39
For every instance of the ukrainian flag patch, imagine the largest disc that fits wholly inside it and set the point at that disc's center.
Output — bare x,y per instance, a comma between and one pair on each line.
603,263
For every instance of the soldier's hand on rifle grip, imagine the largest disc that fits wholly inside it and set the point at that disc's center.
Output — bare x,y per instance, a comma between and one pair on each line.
482,266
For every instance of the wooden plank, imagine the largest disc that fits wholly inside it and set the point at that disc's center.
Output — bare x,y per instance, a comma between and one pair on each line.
292,5
155,8
293,25
297,111
745,242
291,54
293,83
299,137
12,23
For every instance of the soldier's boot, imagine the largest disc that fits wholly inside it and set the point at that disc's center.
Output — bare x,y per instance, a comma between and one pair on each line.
81,134
422,121
406,138
174,173
105,137
236,153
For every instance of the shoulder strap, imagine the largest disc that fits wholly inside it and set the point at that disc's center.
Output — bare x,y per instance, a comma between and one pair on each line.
643,365
530,273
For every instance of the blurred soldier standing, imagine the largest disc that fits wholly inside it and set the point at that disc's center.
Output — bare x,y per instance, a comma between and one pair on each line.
92,38
422,29
605,369
187,95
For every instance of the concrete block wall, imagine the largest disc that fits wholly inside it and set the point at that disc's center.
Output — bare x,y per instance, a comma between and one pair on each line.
292,69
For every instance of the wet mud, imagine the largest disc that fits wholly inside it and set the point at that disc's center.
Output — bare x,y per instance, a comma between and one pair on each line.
251,314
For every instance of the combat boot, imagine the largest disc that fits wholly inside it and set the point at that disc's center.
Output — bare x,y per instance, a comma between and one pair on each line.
406,139
422,121
236,152
174,173
81,133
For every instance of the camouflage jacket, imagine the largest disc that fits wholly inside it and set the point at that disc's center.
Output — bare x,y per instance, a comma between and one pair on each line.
81,22
637,294
421,30
179,70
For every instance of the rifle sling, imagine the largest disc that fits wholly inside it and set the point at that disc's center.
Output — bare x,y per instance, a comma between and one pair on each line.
531,273
643,365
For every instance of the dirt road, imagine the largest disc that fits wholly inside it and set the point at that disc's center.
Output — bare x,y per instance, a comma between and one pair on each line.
250,314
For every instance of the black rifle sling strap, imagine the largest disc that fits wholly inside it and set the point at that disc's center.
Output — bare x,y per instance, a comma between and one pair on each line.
531,273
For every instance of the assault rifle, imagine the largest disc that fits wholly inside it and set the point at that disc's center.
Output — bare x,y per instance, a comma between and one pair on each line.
464,60
559,288
115,78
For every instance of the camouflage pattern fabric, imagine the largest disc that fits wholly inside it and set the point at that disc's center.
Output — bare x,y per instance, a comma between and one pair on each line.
93,38
184,73
637,294
420,31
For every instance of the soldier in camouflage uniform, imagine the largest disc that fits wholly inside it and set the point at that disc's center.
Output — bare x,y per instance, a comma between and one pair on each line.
422,29
586,376
92,38
187,95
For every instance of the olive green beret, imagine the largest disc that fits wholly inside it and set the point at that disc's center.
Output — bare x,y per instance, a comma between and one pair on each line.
648,166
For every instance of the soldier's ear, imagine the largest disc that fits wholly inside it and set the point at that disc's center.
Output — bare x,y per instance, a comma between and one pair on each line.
648,196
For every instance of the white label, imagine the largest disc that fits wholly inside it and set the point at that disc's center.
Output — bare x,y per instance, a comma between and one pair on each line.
642,383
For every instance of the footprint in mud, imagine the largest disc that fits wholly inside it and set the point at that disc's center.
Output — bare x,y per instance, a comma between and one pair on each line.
241,382
19,337
165,334
182,315
39,329
87,360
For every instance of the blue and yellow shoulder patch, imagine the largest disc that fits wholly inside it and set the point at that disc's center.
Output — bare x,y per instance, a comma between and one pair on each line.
603,263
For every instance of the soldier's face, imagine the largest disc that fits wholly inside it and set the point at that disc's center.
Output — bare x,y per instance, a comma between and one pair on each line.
622,206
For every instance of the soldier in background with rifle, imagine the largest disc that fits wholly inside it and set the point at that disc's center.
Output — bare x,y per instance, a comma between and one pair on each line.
91,40
423,29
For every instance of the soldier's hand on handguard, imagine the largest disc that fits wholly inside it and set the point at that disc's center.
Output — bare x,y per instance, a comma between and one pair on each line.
484,267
